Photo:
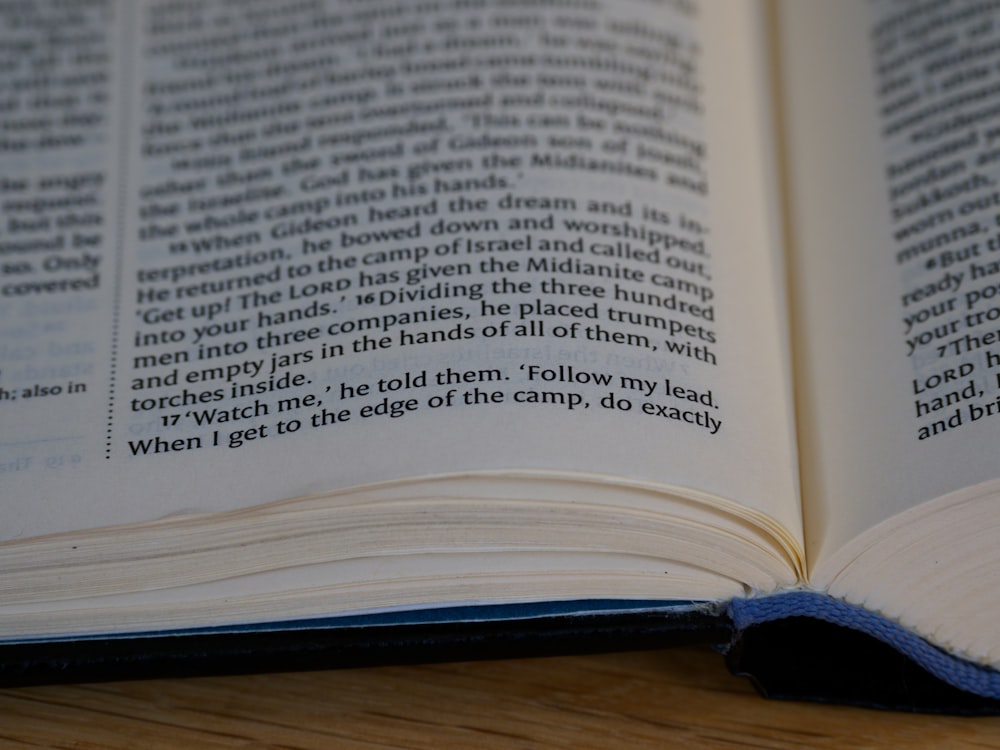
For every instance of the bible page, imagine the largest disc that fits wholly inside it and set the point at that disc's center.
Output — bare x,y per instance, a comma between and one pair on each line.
265,250
893,154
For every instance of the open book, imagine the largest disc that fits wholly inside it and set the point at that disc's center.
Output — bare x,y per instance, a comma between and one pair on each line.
340,314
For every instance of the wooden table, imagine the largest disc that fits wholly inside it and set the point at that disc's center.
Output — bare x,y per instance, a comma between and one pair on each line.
681,697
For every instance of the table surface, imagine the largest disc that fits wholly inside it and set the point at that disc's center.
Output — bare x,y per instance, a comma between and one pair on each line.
681,697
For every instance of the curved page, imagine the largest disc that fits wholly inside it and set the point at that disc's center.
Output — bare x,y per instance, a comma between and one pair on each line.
271,250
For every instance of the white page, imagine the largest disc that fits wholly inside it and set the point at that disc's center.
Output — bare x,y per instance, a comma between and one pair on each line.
135,450
874,359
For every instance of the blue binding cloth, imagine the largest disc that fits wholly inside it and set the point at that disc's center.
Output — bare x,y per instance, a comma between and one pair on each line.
965,675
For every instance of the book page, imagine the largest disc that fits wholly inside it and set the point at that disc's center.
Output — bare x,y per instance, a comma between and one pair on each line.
893,184
262,250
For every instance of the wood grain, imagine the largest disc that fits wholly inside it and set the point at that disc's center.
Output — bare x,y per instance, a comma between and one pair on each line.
681,697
